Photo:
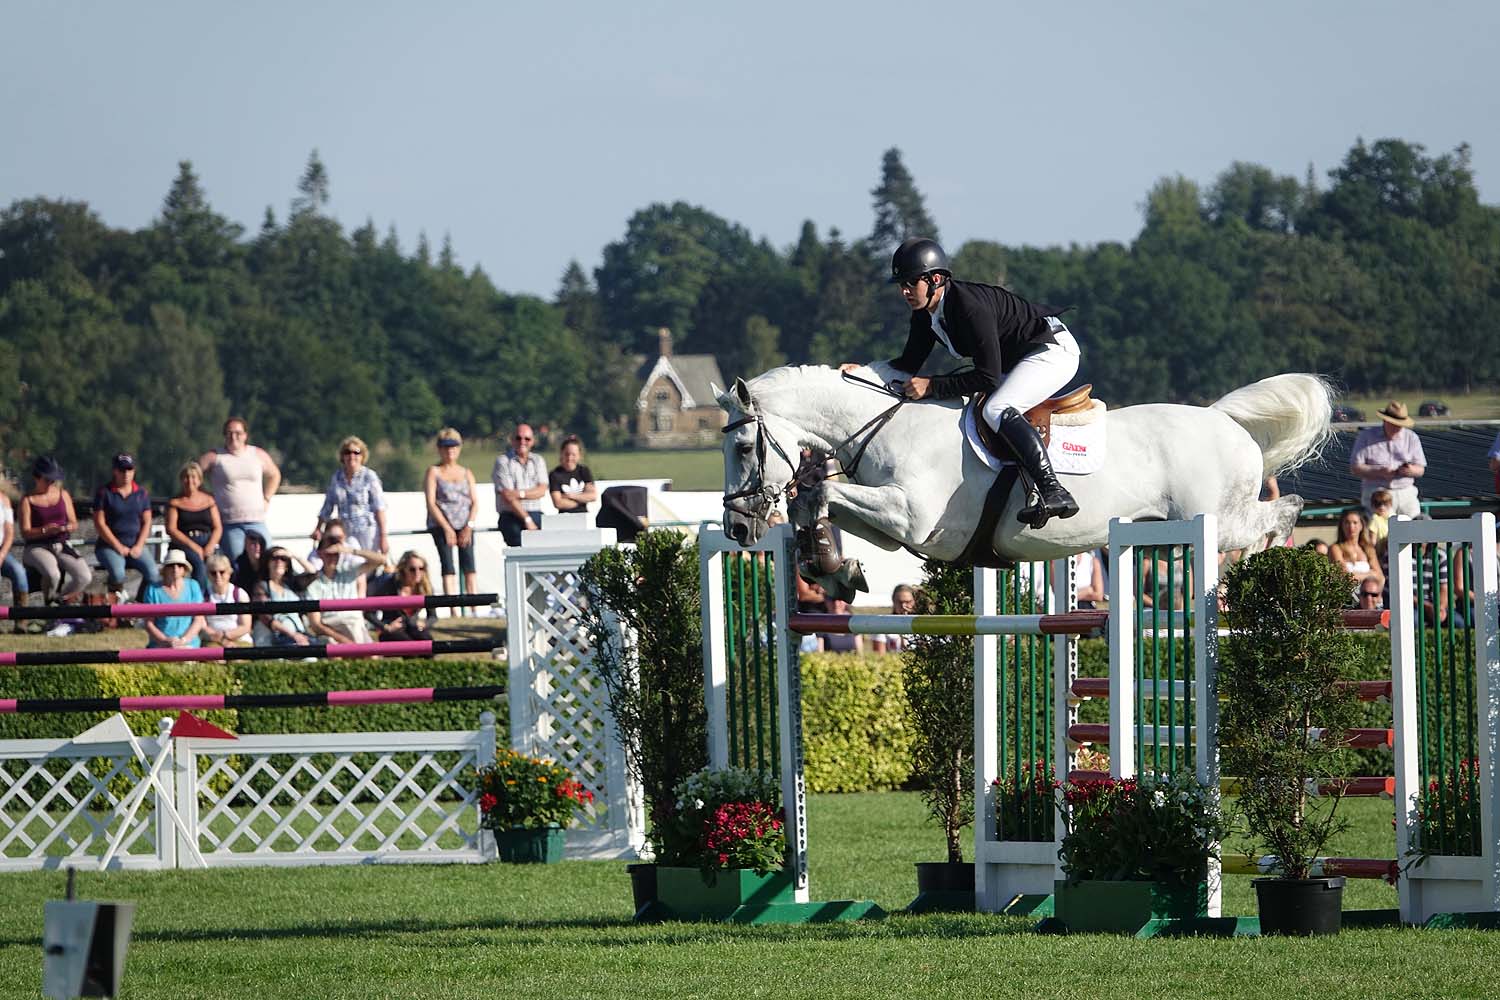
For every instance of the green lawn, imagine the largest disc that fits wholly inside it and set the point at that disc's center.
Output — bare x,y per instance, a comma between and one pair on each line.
563,931
1482,404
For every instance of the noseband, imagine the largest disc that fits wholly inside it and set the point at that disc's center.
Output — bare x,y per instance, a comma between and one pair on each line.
760,497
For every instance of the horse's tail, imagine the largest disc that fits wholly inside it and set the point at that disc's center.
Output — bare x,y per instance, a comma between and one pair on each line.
1287,415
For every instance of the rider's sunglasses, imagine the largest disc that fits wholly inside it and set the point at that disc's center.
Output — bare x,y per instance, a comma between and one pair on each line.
912,282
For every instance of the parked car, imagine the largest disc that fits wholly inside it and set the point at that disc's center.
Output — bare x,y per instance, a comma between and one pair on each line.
1346,414
1432,408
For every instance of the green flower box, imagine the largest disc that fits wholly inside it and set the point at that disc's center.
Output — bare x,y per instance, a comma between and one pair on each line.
688,894
520,846
1099,906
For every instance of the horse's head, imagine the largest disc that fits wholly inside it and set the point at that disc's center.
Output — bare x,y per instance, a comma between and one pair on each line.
757,466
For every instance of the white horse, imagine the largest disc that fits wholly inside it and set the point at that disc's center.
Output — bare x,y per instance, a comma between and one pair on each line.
918,483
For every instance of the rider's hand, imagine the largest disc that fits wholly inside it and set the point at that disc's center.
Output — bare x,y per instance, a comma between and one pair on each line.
850,366
917,387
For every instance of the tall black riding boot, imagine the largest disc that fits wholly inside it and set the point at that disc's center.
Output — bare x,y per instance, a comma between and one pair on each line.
1052,499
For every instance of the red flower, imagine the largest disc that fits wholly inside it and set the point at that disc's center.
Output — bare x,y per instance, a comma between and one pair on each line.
487,802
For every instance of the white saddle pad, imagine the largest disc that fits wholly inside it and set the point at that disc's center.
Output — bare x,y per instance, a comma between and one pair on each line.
1076,448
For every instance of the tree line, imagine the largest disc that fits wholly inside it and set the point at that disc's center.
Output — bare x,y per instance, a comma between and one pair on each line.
1386,274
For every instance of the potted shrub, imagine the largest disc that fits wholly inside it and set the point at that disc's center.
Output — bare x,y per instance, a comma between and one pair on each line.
1280,730
1136,849
938,674
724,846
527,803
643,627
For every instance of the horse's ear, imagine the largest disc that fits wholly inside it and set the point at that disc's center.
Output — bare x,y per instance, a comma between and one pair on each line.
742,393
724,399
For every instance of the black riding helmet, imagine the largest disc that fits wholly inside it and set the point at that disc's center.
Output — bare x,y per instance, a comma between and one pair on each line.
918,256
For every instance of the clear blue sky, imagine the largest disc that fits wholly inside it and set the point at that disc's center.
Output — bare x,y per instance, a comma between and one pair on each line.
531,132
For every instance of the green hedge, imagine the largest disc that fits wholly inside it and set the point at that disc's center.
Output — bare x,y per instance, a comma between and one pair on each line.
122,680
855,735
855,732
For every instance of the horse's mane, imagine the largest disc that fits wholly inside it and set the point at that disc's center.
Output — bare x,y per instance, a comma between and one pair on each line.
778,379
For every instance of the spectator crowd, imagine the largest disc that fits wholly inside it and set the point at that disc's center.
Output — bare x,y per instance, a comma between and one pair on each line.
220,545
220,548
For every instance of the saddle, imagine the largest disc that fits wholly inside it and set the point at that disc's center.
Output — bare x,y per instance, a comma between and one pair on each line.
1039,417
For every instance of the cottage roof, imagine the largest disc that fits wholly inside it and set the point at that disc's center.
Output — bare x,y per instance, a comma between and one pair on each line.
694,375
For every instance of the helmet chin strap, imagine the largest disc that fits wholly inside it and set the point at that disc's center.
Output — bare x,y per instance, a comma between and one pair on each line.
931,288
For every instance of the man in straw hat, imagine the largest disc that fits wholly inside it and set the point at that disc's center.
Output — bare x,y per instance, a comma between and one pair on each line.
1390,457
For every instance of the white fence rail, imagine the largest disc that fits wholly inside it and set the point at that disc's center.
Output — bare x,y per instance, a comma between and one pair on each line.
293,799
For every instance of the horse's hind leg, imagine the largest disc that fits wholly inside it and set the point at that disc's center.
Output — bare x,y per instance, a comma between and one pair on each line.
1256,525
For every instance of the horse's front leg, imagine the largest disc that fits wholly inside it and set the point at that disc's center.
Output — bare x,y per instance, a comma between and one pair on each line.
880,514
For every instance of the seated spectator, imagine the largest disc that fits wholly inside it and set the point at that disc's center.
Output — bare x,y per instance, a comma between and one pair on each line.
1494,457
193,522
1354,549
225,629
47,523
284,628
410,578
450,491
1432,582
840,642
1088,579
355,497
571,484
249,568
176,587
903,602
1371,597
1381,507
1317,545
1165,573
122,519
810,600
338,580
10,562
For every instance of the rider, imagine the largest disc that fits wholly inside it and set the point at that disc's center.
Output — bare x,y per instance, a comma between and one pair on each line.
1020,350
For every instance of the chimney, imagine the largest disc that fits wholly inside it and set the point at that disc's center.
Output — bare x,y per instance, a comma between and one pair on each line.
664,342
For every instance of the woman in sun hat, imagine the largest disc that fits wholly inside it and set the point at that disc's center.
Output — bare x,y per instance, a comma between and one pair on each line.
1390,457
176,587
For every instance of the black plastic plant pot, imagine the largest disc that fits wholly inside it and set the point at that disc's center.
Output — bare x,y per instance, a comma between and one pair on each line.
944,887
642,883
1300,907
945,876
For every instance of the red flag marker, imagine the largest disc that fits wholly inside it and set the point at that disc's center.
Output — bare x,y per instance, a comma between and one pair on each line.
188,724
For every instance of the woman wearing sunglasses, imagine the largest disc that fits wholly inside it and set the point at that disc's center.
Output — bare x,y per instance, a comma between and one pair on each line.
356,498
287,628
1021,354
410,579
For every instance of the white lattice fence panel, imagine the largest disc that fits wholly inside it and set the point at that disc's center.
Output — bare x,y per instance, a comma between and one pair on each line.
566,698
338,798
62,802
558,705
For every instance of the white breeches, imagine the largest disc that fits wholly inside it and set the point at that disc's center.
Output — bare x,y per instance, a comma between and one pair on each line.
1037,376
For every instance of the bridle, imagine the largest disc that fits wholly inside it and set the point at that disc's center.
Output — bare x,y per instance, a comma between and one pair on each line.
760,498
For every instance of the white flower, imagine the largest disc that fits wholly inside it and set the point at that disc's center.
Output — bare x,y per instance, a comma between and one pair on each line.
1158,798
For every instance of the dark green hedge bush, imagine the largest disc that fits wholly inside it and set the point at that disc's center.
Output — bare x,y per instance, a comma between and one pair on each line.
123,680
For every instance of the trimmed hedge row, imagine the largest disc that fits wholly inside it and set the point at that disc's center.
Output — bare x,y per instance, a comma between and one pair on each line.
260,677
856,734
856,731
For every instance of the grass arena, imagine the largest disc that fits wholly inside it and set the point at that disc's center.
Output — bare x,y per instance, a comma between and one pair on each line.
566,930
